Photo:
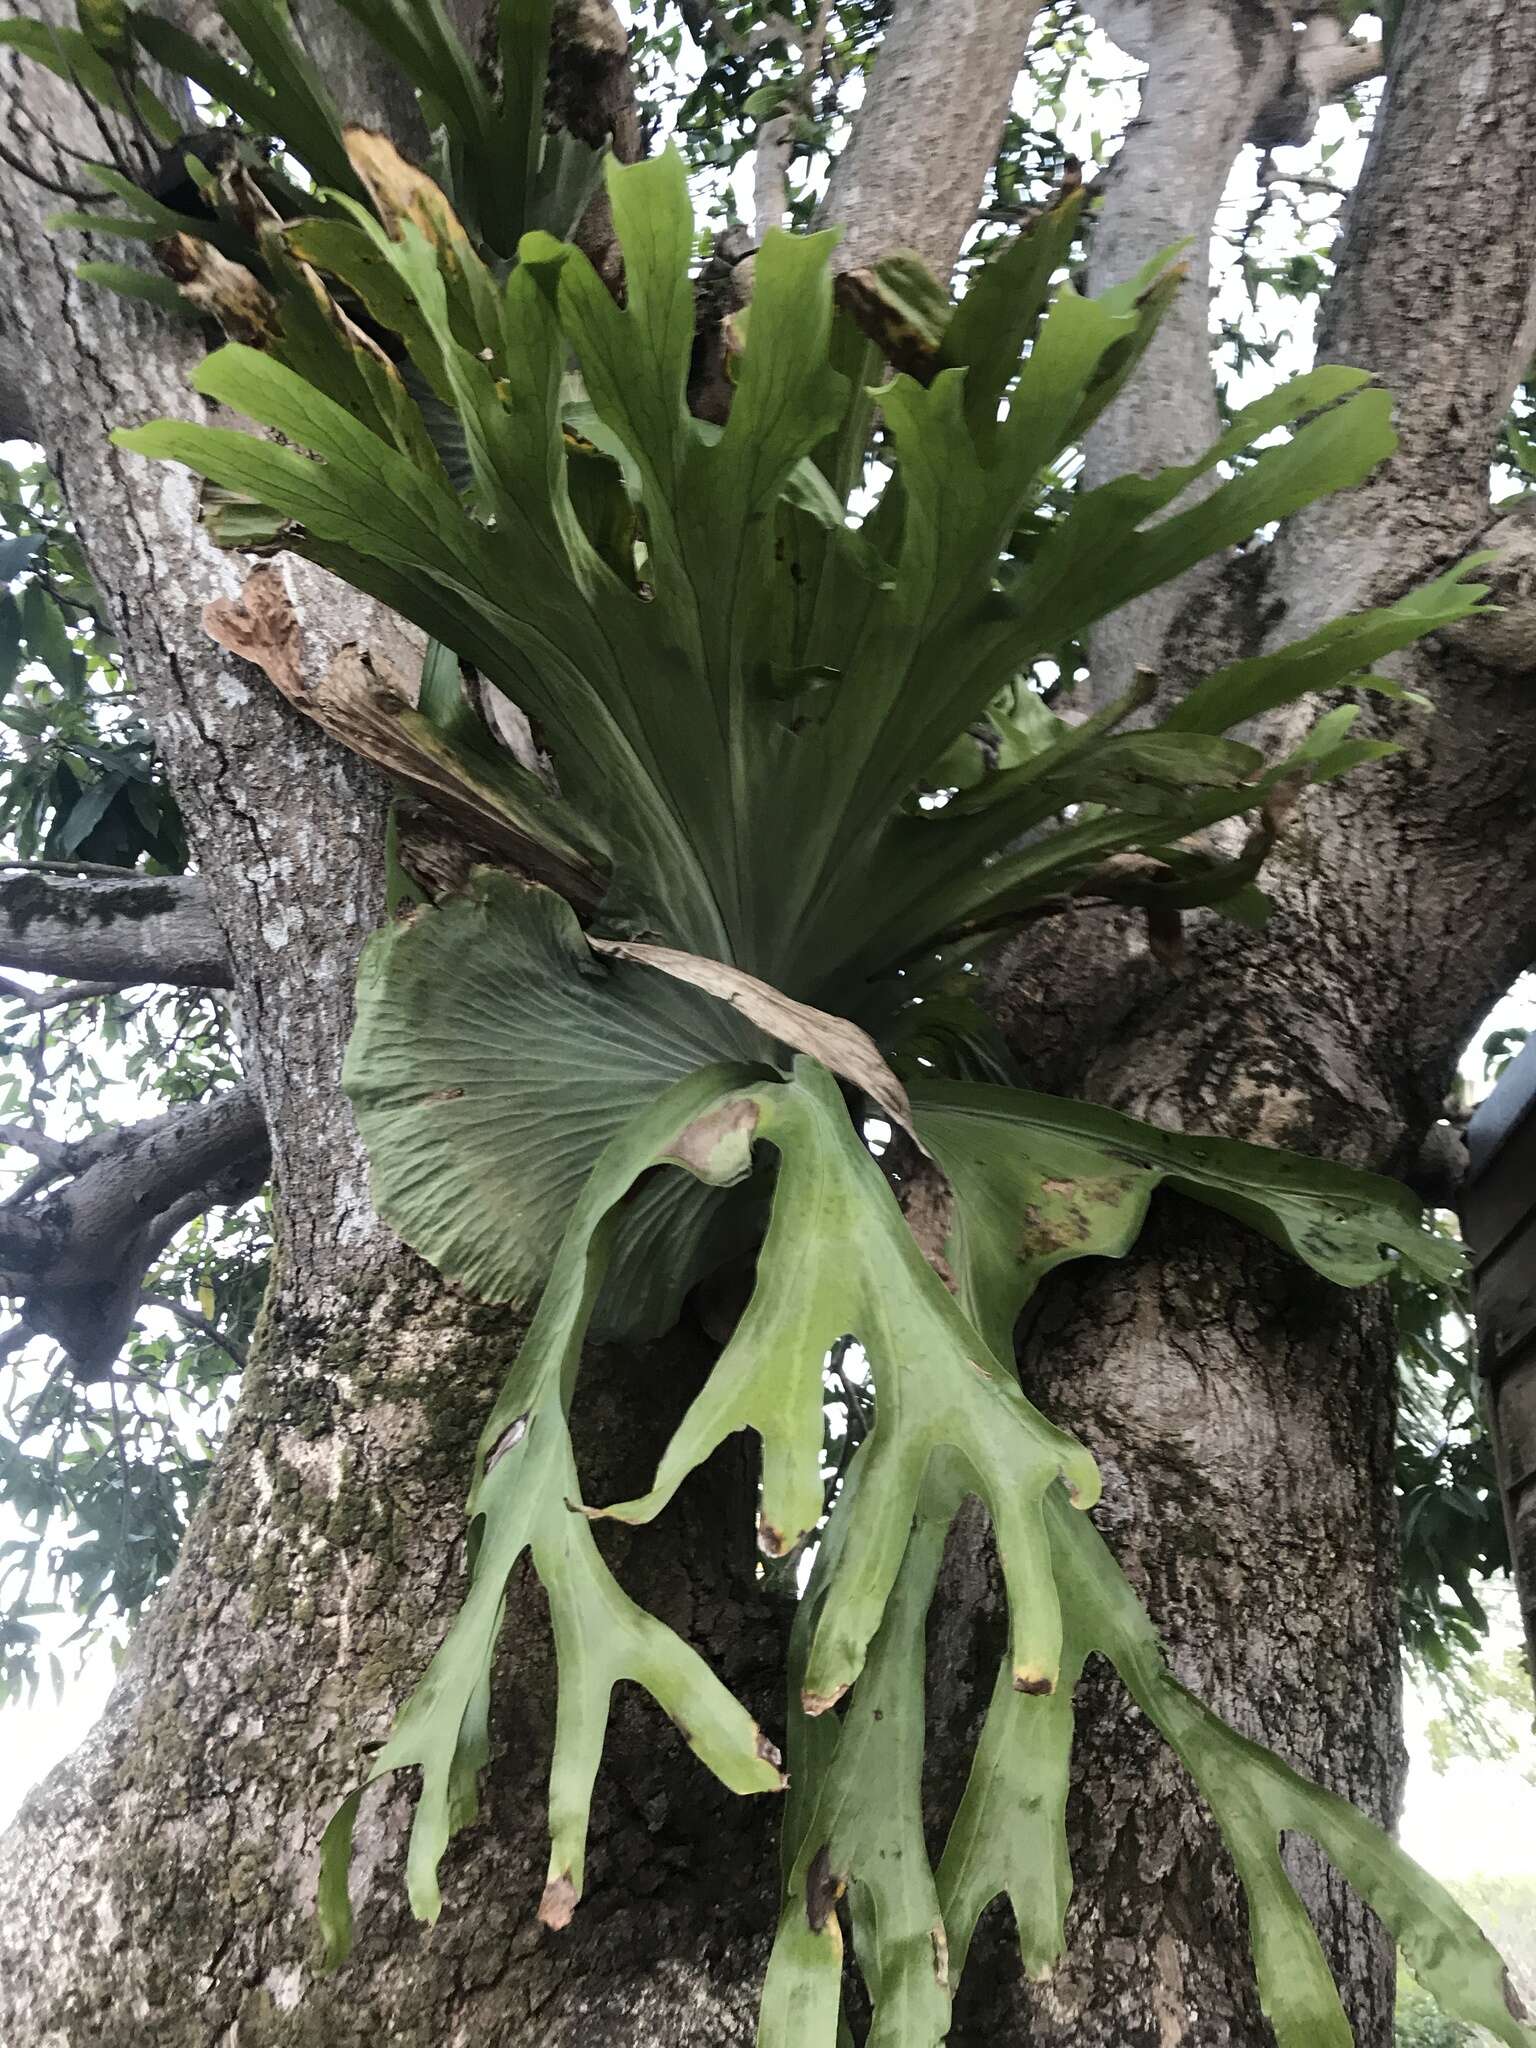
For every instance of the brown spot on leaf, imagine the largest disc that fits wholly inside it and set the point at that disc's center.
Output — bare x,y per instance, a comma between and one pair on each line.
814,1703
558,1902
1075,1221
1035,1683
822,1890
444,1095
940,1942
770,1541
770,1751
1042,1234
718,1145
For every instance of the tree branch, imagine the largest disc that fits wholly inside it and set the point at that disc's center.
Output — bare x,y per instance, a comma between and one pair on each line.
78,1256
1212,68
1332,63
927,134
139,928
14,1338
37,1001
705,21
45,1150
1435,293
776,136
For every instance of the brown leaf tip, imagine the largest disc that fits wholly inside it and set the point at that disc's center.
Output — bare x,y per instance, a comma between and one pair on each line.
814,1703
940,1942
1037,1684
558,1902
770,1541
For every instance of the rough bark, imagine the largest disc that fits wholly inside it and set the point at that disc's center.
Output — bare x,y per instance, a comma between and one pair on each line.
159,1886
372,89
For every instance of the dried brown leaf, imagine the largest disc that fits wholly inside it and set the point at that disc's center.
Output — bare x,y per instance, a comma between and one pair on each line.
844,1047
225,291
261,625
558,1902
400,191
366,699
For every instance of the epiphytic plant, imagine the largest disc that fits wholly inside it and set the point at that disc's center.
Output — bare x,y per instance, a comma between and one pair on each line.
792,784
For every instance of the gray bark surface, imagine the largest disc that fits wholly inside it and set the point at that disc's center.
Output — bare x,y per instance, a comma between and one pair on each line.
140,928
158,1886
1213,65
927,135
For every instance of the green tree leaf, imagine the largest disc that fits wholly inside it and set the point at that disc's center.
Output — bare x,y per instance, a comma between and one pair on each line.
840,1261
526,1496
1038,1180
494,1059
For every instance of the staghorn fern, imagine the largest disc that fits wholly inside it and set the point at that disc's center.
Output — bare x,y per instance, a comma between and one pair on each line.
744,696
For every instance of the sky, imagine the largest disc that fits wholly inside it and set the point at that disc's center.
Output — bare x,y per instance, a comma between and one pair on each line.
1475,1818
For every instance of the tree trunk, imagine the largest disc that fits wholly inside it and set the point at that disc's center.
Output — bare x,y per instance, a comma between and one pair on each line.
158,1887
1243,1412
